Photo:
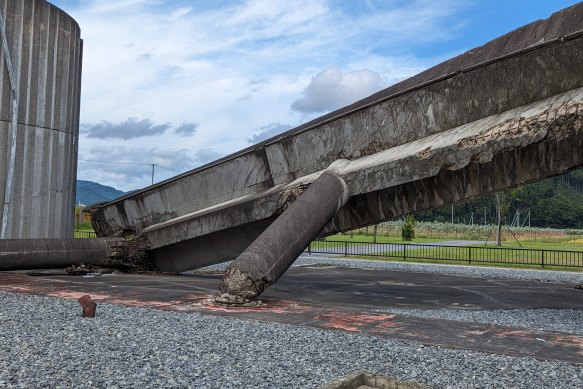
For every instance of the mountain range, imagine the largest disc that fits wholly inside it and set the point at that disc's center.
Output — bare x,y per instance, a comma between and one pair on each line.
89,193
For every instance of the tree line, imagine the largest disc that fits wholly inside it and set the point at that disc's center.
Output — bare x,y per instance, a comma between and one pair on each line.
555,202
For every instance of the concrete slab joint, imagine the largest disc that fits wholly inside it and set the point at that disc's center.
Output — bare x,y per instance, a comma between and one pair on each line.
274,251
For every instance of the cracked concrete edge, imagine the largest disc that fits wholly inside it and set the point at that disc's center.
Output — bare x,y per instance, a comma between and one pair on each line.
500,84
275,250
473,143
424,159
366,379
130,254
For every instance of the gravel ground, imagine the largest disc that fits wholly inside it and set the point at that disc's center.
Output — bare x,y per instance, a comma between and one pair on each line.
45,343
561,320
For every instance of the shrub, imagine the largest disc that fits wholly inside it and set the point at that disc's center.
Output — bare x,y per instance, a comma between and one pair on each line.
408,230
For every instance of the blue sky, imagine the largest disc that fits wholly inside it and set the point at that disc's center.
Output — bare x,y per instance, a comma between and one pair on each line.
180,83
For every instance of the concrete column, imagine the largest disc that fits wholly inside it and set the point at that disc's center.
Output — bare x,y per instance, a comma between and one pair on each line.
274,251
28,254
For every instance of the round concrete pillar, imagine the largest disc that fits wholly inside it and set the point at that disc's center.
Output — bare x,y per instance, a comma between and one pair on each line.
40,82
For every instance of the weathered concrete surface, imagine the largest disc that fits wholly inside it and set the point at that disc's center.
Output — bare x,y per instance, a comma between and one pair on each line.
365,380
46,51
29,254
276,249
497,116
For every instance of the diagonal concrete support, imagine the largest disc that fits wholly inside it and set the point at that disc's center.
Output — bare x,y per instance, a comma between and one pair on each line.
274,251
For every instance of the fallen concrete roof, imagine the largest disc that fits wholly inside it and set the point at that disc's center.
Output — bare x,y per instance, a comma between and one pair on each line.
475,142
505,113
559,26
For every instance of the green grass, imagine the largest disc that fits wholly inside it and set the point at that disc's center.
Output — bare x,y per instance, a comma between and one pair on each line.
380,239
564,244
84,227
489,255
83,230
466,263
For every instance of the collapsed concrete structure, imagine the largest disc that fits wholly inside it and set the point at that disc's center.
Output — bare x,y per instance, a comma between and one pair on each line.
499,115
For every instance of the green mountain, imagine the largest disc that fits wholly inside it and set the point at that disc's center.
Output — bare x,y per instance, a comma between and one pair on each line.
89,192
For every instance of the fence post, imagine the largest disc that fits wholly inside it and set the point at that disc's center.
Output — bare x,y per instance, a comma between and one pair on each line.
404,252
345,248
469,255
542,262
310,249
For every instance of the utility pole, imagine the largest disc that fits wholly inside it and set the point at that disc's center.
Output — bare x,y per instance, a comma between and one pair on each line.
518,218
153,166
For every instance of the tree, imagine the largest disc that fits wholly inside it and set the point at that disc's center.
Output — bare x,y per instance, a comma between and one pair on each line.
503,200
408,230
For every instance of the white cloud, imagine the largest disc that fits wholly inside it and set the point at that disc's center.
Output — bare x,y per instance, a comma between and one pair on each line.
332,89
207,155
186,129
129,129
129,168
269,131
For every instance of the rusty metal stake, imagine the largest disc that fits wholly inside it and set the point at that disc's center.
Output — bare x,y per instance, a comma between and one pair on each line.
89,306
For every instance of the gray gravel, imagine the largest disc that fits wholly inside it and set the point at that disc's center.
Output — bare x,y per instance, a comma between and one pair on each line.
561,320
45,343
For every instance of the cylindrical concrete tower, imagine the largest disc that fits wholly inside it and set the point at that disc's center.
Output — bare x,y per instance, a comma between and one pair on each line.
40,81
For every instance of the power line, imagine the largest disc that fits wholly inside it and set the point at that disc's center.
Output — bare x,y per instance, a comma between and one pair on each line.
153,165
117,163
167,168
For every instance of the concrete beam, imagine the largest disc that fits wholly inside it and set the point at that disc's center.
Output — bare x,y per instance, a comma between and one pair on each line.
29,254
532,63
500,115
276,249
521,145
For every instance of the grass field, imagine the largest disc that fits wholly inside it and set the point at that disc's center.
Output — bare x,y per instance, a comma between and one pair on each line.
562,243
561,252
380,239
84,230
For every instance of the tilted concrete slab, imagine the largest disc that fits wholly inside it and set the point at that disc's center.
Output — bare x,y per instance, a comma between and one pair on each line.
502,114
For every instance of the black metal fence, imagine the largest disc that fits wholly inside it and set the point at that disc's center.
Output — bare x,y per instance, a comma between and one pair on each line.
84,234
435,252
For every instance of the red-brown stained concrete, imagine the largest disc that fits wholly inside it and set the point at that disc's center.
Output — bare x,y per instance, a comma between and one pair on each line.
350,300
